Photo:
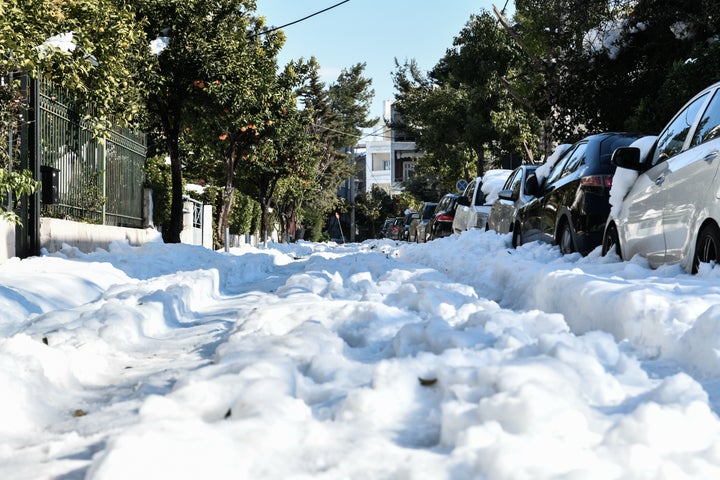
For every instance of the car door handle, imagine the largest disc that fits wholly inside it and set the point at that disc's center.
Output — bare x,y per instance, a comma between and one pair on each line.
711,156
660,180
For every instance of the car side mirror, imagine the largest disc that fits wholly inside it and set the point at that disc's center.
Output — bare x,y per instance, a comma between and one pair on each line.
532,187
464,201
627,157
507,195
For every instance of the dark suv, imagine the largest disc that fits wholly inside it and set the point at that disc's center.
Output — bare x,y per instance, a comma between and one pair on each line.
571,203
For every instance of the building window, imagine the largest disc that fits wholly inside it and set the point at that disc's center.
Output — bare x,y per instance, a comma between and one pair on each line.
408,170
381,161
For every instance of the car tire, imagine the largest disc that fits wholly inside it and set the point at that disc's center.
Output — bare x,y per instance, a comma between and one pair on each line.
565,239
611,241
707,248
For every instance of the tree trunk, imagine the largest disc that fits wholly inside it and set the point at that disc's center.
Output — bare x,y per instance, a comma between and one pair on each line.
265,220
228,195
480,152
176,205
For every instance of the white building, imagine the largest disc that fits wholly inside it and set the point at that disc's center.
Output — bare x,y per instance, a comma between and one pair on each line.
389,155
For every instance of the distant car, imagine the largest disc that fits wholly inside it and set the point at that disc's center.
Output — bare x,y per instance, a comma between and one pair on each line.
420,222
512,196
386,227
409,217
440,224
671,212
396,229
474,203
571,204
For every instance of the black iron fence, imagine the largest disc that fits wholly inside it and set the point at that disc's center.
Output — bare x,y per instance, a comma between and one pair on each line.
86,178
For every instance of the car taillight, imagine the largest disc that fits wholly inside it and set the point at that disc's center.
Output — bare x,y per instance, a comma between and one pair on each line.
444,218
596,181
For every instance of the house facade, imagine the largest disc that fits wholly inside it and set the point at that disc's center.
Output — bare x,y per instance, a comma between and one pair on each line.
389,155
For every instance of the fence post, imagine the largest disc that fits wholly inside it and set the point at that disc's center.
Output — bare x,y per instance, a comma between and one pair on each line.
103,166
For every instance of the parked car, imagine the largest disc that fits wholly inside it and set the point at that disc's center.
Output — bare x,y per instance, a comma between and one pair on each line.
512,196
570,206
386,227
440,224
671,212
409,217
396,229
420,222
475,202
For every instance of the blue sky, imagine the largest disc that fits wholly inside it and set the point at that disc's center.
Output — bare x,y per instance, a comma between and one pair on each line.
371,31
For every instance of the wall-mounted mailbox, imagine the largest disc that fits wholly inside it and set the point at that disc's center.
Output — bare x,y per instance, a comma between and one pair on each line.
49,180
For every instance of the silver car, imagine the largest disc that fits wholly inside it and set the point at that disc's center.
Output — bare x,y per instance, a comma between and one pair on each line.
474,204
510,198
671,212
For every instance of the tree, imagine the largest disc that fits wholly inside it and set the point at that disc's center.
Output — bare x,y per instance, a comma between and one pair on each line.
450,110
337,115
238,100
94,48
605,69
75,45
284,152
206,45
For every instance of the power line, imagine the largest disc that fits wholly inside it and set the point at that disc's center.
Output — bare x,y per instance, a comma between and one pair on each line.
371,134
270,30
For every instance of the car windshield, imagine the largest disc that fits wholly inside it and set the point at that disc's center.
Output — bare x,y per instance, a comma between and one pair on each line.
608,146
428,211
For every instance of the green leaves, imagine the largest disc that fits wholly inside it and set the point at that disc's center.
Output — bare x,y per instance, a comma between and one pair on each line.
15,185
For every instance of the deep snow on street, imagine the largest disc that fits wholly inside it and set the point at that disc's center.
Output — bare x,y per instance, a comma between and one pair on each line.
461,358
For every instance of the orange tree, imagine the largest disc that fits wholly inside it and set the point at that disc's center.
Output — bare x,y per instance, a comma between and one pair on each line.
247,132
92,48
209,84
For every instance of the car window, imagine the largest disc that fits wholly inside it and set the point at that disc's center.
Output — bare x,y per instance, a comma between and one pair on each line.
558,168
480,196
671,140
513,182
576,159
709,126
508,183
428,210
470,189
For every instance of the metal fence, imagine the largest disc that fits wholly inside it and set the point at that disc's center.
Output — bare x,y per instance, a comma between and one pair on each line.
98,180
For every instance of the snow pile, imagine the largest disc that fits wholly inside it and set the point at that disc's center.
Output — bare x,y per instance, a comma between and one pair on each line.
492,182
543,170
459,358
624,178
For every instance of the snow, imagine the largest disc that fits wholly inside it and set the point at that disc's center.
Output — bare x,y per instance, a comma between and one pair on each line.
460,358
159,44
624,178
492,182
63,42
544,170
607,38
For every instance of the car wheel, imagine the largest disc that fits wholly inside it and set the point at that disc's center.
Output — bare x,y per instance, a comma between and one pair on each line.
565,239
708,246
611,241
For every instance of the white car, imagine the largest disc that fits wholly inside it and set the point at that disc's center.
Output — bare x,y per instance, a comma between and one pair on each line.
509,199
476,201
671,212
